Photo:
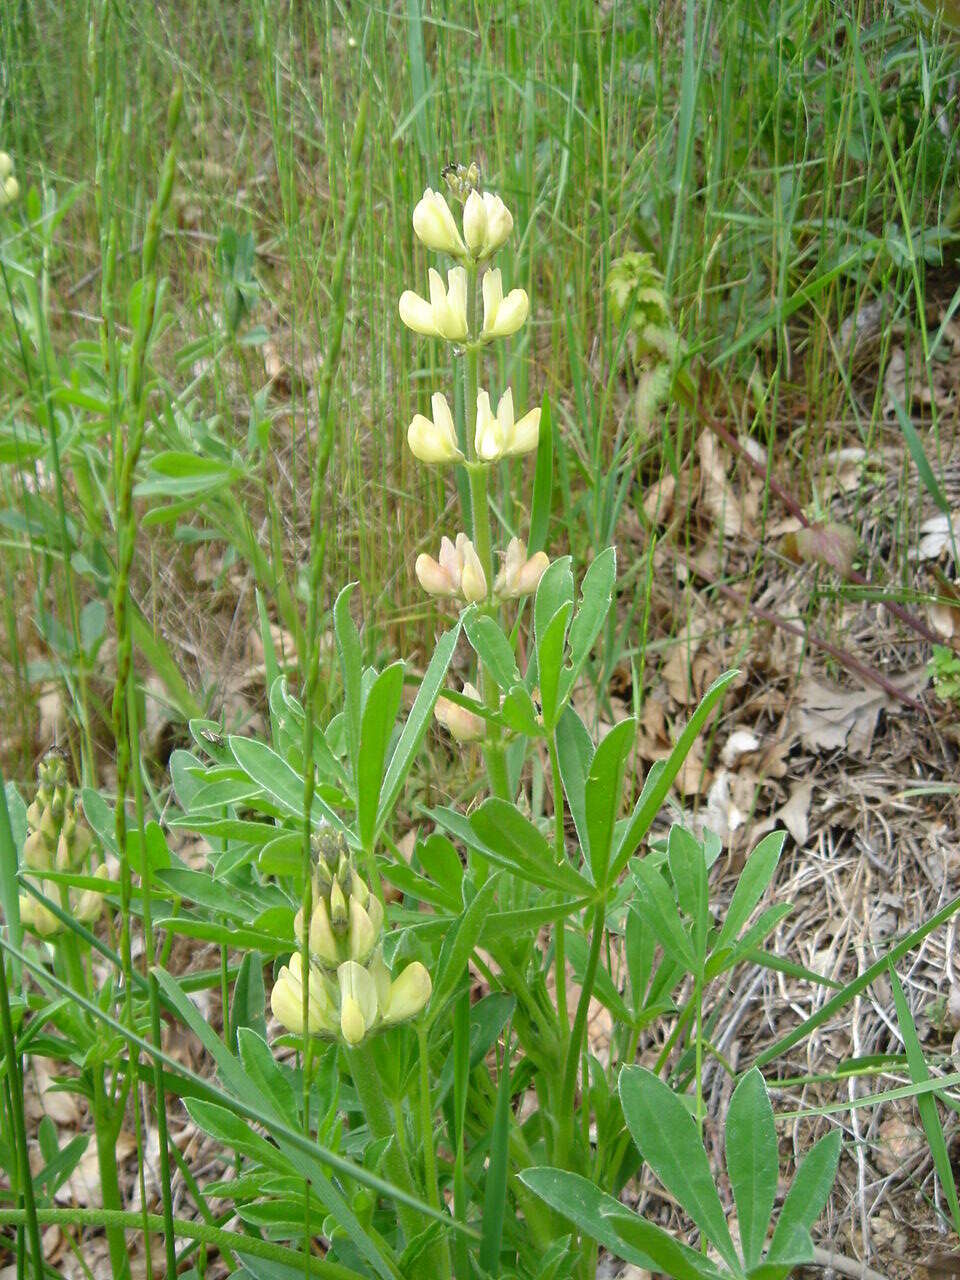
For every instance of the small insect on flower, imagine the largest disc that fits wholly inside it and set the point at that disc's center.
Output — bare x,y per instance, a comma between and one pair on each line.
500,435
445,314
436,441
461,179
502,315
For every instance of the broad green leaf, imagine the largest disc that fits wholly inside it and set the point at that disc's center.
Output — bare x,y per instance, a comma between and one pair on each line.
807,1195
521,846
248,1008
604,793
658,910
688,869
670,1256
280,782
229,1128
264,1070
550,664
756,875
662,774
442,864
752,1162
376,726
197,887
553,592
667,1137
591,1210
574,756
596,594
412,734
460,944
492,648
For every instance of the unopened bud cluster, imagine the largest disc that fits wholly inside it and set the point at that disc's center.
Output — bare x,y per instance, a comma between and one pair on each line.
351,990
58,839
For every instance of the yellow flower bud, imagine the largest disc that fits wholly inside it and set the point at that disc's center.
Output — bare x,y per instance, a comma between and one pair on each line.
487,222
473,581
519,576
323,942
445,314
436,441
338,908
408,994
358,1001
501,436
9,191
6,165
89,908
502,315
35,815
34,915
364,932
36,852
433,222
462,724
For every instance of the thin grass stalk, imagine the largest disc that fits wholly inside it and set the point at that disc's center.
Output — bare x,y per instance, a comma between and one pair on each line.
15,1077
318,543
126,455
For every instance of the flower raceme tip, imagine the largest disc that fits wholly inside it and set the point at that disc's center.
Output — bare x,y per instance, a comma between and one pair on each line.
457,571
436,441
500,435
487,223
444,314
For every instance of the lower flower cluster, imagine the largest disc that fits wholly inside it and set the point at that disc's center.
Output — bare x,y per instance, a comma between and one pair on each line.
351,990
58,840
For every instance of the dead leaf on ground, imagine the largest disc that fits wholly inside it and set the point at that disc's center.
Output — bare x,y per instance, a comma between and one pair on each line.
829,718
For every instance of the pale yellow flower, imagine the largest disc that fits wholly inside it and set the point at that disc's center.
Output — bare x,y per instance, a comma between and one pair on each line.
445,314
407,994
502,315
460,723
434,224
458,572
487,222
286,1000
519,576
436,441
500,435
358,1001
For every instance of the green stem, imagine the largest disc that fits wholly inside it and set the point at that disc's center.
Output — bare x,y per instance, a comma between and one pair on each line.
565,1119
29,1212
373,1100
188,1229
559,849
426,1140
106,1127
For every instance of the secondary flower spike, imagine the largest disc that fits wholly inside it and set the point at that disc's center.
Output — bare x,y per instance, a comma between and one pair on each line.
519,576
487,223
435,226
445,314
500,435
458,571
502,315
436,441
